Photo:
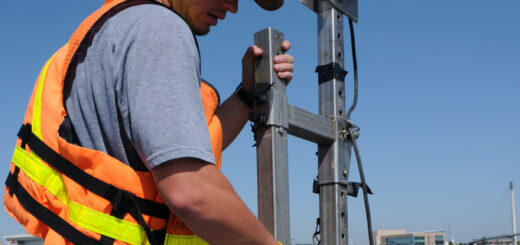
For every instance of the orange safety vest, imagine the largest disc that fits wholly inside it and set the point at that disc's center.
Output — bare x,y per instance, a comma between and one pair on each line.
68,194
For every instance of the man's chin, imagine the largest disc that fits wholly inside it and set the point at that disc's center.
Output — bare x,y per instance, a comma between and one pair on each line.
201,31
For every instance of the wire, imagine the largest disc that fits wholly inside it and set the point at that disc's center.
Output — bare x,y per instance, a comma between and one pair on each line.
363,184
353,133
354,61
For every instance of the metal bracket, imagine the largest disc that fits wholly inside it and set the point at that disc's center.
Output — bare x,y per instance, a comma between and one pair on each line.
346,7
279,111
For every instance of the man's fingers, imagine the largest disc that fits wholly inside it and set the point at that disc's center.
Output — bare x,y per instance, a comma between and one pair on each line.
287,76
284,67
257,51
284,63
286,45
252,52
283,58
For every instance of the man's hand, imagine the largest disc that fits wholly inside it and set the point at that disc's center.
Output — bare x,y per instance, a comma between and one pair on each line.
233,112
283,65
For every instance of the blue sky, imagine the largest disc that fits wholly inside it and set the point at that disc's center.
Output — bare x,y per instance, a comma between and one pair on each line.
438,107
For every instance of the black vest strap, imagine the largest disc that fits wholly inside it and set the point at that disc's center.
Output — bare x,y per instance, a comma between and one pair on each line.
46,216
12,182
122,201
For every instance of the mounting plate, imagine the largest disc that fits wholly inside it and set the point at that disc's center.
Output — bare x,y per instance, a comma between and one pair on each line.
346,7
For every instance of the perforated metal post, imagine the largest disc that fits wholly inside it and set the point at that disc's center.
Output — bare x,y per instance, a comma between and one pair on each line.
271,136
333,159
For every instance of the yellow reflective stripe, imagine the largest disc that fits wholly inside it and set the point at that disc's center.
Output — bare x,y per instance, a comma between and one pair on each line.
107,225
83,216
41,173
183,240
37,107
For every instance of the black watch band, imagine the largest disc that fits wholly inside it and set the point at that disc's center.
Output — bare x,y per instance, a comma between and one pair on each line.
244,95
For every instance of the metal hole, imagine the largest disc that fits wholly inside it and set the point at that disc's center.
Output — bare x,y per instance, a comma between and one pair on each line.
338,16
339,35
340,93
341,112
342,235
342,214
342,194
339,54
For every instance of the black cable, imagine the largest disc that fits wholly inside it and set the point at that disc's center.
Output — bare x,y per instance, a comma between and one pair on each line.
354,61
352,134
363,185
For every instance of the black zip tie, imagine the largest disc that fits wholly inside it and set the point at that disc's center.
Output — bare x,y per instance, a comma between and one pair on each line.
330,71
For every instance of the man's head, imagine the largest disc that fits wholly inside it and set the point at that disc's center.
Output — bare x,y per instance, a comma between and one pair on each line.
201,14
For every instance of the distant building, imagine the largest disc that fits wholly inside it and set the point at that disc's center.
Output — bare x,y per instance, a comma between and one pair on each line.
415,238
380,233
23,239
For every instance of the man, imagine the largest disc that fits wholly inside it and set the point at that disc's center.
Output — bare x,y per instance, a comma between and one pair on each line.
136,96
195,190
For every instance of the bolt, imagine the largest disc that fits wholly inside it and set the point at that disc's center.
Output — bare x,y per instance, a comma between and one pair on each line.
260,98
344,173
263,119
343,134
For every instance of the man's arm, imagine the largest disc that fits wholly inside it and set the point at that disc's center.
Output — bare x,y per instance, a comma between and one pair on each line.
233,112
233,115
205,201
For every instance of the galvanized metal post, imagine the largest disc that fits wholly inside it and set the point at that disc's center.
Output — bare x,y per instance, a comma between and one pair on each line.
271,136
333,159
513,213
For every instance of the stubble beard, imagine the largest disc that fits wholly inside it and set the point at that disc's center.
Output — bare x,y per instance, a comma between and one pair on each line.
181,7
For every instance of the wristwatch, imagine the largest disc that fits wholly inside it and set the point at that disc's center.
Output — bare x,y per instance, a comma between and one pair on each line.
245,96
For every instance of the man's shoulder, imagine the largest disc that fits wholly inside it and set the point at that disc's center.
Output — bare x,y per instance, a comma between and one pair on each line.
149,17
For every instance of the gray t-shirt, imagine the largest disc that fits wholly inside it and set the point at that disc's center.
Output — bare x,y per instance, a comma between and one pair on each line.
143,62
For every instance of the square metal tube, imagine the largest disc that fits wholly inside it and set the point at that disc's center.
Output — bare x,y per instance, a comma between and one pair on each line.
333,159
271,136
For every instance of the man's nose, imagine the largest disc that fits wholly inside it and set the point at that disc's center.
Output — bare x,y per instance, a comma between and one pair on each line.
231,5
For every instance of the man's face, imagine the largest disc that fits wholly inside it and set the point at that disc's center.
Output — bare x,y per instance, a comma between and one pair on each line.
201,14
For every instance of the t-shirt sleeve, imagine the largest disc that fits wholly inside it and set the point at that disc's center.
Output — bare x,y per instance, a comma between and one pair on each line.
159,90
